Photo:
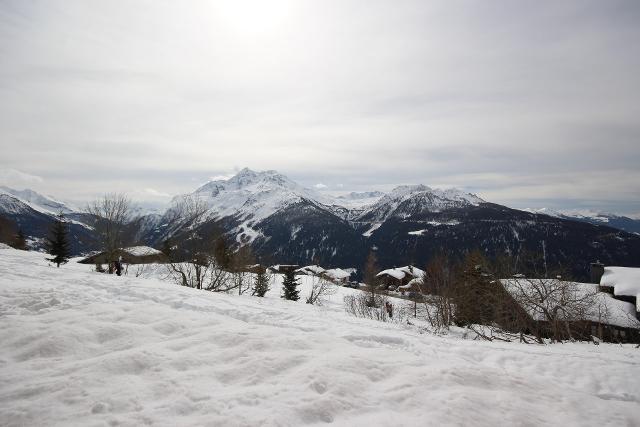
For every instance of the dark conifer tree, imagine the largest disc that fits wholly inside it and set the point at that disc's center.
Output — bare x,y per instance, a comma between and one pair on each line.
222,253
166,248
58,242
290,286
20,241
261,283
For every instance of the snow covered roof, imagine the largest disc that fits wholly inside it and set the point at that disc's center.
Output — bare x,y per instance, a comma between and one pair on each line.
141,251
602,308
311,270
412,283
625,281
337,274
401,272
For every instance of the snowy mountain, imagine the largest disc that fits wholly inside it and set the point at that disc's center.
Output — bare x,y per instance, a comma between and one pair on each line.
37,201
35,221
287,223
251,197
416,200
284,222
620,222
357,200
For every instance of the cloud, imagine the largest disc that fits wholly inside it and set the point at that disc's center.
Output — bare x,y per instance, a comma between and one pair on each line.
338,92
17,179
220,177
320,186
156,193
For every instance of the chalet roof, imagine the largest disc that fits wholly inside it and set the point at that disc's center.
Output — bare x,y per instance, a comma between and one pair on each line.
136,252
604,307
402,272
413,282
311,270
141,251
337,274
625,281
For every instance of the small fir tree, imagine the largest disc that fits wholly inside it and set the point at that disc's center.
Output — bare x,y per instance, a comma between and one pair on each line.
290,287
261,283
58,242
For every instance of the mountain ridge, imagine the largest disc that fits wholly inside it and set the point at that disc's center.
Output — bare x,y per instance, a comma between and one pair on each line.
284,222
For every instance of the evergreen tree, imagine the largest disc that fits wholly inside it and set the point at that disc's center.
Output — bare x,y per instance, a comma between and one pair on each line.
221,253
261,283
20,241
58,242
166,248
290,286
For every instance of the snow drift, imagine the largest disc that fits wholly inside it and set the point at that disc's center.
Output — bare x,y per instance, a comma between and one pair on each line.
83,348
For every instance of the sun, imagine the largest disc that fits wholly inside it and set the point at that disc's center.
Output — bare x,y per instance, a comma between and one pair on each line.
252,17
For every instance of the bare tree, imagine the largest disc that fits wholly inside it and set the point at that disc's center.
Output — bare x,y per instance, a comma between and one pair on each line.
203,272
111,214
358,305
188,209
371,278
563,306
438,286
182,219
239,264
321,288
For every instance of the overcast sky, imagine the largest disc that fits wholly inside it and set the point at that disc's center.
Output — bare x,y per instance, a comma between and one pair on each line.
526,103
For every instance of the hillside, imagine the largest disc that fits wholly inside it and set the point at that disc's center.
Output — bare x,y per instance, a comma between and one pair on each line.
85,348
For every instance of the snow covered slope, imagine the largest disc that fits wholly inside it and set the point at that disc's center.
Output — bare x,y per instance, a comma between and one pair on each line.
83,348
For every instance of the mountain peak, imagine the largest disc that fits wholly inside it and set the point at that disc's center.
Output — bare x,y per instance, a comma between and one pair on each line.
37,201
450,194
408,189
409,200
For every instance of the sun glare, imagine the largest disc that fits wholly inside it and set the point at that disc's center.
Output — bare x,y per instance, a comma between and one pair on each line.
253,17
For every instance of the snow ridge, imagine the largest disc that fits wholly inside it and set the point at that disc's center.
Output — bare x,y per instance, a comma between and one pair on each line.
251,197
44,204
407,200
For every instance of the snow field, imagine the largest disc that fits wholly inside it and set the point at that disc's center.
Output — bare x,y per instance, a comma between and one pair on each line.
83,348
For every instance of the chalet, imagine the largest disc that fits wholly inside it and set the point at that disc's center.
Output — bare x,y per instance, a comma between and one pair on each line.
283,268
398,278
252,268
623,283
582,308
130,255
310,270
337,275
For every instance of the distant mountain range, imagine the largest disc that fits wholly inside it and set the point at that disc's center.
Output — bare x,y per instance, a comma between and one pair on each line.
284,222
620,222
34,213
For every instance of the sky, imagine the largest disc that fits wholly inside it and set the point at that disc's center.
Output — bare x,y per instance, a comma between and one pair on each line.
528,104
